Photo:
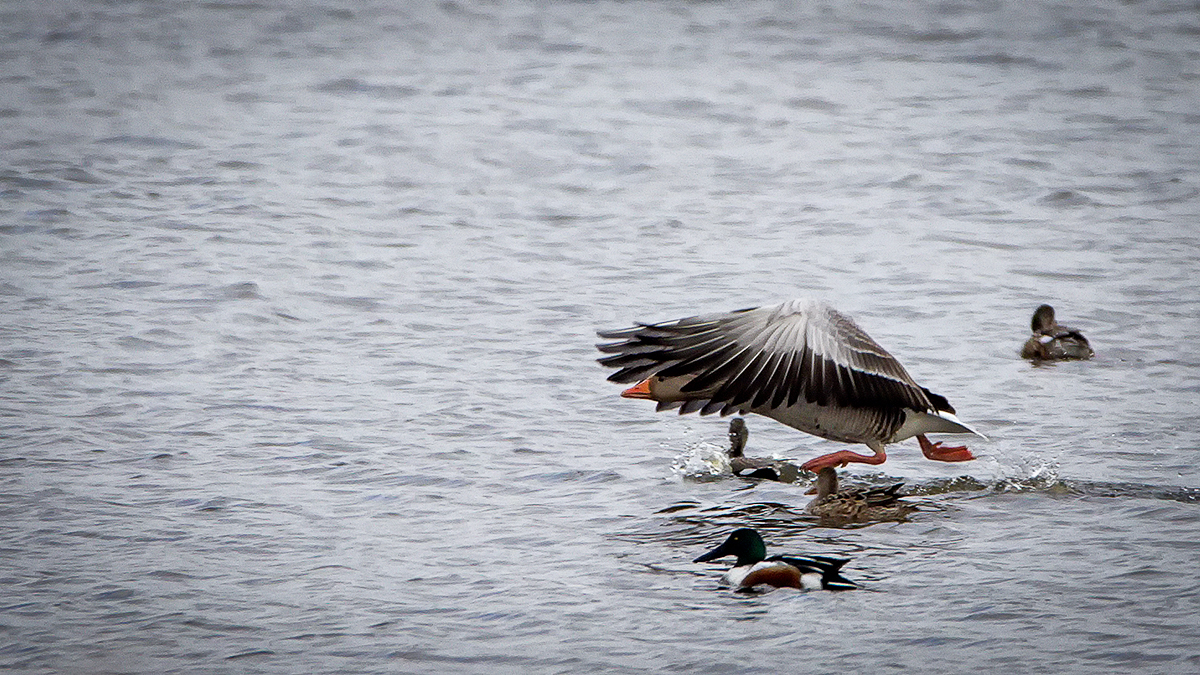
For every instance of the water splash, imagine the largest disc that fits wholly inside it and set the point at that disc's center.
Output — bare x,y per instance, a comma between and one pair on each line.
1033,473
701,461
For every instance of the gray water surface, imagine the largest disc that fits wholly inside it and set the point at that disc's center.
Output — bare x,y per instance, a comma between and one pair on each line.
298,302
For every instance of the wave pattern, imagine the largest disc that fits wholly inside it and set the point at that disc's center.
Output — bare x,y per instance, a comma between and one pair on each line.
297,304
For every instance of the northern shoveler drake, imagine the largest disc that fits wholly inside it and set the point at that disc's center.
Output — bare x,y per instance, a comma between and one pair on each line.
1052,342
856,505
801,363
754,568
755,467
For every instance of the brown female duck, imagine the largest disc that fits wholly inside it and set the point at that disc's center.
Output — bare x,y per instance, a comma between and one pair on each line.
856,506
1053,342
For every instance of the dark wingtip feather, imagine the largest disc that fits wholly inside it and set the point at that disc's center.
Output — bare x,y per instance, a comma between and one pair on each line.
631,374
831,565
837,582
939,402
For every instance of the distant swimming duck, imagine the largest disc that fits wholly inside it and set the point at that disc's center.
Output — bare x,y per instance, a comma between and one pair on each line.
754,568
755,467
856,505
1052,342
801,363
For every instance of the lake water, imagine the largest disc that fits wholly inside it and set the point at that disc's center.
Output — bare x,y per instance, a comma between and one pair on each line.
298,304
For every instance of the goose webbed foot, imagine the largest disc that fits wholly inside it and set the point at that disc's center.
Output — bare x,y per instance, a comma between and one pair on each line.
941,453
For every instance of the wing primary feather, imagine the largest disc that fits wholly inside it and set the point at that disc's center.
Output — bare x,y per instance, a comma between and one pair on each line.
830,385
736,390
768,380
696,363
633,374
718,373
817,380
786,379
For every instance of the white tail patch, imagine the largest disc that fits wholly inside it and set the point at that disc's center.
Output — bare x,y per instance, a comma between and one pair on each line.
938,422
810,581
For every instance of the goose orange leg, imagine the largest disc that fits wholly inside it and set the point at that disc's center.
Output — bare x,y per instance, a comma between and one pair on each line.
935,451
842,458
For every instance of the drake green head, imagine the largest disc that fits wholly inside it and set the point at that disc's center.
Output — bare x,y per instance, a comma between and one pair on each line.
745,543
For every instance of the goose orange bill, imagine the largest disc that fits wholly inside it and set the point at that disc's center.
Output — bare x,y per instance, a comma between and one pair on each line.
639,390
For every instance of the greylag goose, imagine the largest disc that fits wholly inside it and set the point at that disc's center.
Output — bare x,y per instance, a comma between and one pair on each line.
1052,342
801,363
856,505
755,467
754,568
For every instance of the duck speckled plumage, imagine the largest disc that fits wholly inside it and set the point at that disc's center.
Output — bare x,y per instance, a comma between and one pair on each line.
857,506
